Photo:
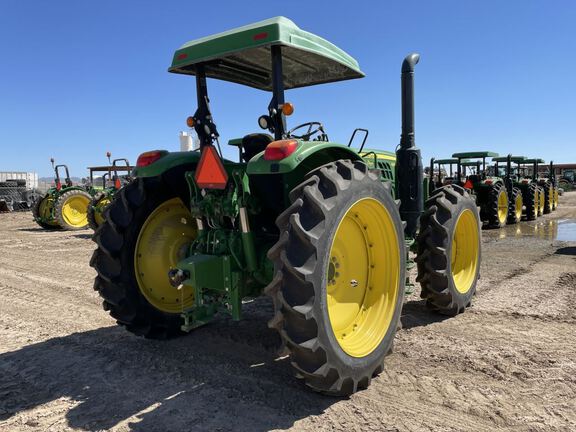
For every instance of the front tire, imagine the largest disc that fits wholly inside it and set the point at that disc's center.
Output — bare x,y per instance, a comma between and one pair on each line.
339,277
449,250
148,229
548,198
42,212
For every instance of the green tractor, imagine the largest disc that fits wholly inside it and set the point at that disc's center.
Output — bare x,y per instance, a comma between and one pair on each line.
111,184
544,186
319,227
523,197
65,205
442,176
490,191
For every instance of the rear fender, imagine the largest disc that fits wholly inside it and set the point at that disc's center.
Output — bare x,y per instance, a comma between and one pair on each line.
167,162
308,156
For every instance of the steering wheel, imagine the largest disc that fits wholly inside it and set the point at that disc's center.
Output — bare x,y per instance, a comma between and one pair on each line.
313,128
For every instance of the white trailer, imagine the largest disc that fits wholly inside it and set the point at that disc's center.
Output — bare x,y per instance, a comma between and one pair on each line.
30,177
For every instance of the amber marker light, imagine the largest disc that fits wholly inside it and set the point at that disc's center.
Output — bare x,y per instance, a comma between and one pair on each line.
190,121
287,108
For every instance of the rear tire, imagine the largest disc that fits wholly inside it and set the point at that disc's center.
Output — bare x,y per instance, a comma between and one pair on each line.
515,207
71,209
39,213
96,209
115,257
449,250
332,354
541,200
531,202
496,209
548,197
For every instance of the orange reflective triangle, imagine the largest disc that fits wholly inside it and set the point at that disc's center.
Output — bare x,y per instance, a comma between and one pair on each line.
210,173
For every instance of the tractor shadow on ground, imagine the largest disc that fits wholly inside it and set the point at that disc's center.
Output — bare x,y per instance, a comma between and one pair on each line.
416,314
568,250
40,230
84,235
204,381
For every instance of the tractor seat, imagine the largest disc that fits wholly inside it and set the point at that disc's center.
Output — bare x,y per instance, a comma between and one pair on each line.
474,178
253,144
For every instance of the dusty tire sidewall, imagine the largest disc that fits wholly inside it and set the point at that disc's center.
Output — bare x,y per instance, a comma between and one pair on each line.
355,366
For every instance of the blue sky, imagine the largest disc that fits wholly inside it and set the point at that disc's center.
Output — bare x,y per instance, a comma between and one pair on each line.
79,78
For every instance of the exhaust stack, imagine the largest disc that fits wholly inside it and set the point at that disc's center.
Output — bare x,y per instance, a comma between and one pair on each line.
409,175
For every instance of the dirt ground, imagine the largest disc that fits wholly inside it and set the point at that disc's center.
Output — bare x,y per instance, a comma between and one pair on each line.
508,363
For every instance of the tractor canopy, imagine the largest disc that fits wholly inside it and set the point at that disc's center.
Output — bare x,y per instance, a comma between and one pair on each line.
535,160
470,163
446,161
475,154
516,159
242,56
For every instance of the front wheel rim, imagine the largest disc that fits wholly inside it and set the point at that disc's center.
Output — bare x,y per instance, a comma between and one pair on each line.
363,277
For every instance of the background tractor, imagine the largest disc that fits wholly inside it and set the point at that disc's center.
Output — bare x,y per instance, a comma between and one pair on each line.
319,227
490,191
64,205
519,193
111,183
545,187
443,174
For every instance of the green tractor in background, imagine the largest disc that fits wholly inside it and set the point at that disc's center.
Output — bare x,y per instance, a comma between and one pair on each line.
440,176
319,227
518,192
545,188
65,205
111,184
490,191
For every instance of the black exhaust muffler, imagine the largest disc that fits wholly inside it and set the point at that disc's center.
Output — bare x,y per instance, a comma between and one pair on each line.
409,177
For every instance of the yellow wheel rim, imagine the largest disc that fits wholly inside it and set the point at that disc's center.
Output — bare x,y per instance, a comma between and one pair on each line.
541,202
464,252
556,197
75,210
163,241
99,209
502,206
45,211
518,207
363,277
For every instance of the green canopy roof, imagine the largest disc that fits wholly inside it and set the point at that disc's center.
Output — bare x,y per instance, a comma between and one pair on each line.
470,163
529,161
446,161
242,55
513,159
476,154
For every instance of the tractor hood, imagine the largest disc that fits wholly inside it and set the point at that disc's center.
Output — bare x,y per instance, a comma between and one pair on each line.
242,55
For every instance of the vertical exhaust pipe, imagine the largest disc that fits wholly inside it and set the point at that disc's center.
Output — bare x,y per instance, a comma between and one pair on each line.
552,174
409,177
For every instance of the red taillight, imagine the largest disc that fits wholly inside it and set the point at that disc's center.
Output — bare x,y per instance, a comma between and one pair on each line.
468,184
260,36
279,150
182,56
58,186
149,157
117,184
